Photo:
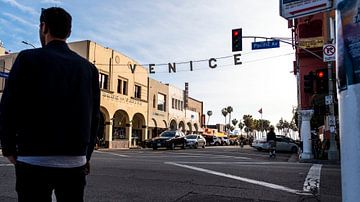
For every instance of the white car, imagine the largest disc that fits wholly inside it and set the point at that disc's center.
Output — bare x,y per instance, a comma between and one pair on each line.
282,144
195,141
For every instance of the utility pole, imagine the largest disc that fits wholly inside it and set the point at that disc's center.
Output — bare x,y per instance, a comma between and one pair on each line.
330,119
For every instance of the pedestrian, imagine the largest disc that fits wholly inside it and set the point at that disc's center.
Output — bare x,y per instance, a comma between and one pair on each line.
49,115
271,139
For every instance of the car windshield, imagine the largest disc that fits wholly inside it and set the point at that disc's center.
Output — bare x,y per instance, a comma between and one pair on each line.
191,137
168,134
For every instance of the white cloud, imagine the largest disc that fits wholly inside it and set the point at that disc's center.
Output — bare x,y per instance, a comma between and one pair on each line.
56,2
23,8
19,19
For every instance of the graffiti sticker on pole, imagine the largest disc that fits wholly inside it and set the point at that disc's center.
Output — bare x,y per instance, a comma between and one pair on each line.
329,52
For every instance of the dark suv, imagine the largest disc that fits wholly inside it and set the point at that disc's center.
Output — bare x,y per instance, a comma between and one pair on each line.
169,139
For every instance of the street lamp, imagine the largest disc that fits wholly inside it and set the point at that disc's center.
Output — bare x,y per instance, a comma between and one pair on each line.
27,43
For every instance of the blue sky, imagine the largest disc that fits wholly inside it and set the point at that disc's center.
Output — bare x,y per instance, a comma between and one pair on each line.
163,31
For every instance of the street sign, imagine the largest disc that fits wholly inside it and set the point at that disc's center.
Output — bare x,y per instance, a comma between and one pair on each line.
328,100
265,44
332,120
329,52
4,74
291,9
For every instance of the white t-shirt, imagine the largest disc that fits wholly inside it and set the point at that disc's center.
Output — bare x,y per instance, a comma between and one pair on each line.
54,161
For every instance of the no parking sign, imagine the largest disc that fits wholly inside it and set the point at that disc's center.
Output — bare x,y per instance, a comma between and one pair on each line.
329,52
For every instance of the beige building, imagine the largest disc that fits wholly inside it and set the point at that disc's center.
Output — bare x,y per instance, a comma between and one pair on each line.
134,107
158,107
193,114
124,98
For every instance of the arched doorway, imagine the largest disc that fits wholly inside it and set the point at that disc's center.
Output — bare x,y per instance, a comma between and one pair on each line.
120,122
153,128
182,126
102,137
173,125
196,128
138,129
189,128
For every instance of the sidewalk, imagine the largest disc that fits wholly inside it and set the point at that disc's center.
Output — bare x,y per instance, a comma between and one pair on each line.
295,158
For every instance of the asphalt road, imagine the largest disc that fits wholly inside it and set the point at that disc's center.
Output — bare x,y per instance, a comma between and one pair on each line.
210,174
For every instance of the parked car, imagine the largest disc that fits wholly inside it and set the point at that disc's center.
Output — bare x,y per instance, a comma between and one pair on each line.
225,141
215,141
169,139
195,141
282,144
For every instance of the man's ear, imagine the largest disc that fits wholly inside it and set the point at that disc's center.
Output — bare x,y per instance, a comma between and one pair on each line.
44,28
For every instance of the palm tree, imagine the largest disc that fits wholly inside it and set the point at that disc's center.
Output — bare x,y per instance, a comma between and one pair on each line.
241,125
224,113
229,109
249,124
209,113
234,122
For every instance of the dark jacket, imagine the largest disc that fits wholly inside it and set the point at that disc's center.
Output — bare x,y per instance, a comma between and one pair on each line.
271,136
50,105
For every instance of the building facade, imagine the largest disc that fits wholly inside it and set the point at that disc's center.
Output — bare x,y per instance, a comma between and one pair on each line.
133,106
158,112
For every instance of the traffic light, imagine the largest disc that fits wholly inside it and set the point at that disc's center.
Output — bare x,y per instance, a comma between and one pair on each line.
322,81
309,83
236,40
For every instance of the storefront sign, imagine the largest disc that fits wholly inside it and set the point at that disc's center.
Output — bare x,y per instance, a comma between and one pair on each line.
121,99
291,9
316,42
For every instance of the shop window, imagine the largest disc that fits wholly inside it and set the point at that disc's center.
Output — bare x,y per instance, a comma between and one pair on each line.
125,88
119,84
161,103
154,104
310,29
137,93
104,81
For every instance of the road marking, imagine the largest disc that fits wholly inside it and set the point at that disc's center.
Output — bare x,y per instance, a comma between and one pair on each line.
237,162
111,153
215,156
312,180
256,182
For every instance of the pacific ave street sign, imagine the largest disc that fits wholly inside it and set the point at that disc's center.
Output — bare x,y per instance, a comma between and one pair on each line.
265,44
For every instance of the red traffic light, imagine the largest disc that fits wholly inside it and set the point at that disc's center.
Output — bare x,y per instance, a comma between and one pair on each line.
236,33
320,74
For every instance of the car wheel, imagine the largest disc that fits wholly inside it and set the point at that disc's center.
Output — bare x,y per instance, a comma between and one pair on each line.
154,148
259,149
196,146
184,145
172,146
203,146
294,149
217,144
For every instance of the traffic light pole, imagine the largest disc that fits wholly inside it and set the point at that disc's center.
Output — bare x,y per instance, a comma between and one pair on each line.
331,120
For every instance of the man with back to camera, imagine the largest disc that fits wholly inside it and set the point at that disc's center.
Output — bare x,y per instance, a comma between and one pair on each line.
49,115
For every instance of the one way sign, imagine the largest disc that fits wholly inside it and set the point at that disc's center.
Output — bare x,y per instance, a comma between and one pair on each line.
329,52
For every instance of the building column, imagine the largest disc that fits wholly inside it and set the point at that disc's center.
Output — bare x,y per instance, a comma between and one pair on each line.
129,133
108,133
145,132
305,133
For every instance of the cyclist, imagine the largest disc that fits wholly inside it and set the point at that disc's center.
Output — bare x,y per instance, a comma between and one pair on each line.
271,139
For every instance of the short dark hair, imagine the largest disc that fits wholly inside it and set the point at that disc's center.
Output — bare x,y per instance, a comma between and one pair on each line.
57,20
